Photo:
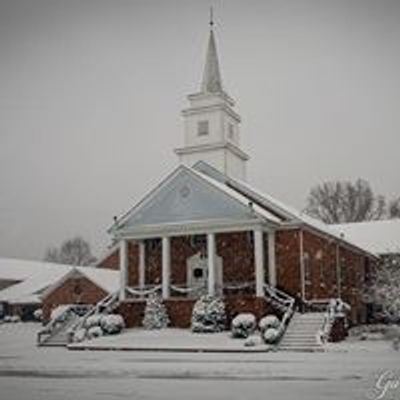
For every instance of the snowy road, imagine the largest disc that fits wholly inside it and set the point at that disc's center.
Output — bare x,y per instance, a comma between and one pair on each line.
27,372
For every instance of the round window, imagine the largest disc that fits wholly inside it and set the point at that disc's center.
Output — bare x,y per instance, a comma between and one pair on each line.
198,273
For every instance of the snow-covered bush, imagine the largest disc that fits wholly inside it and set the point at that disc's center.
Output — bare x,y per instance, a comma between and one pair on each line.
94,332
11,318
208,315
271,335
93,320
15,318
112,324
38,314
79,335
243,325
155,313
270,321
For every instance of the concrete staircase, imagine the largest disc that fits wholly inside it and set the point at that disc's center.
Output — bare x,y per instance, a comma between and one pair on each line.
302,333
59,337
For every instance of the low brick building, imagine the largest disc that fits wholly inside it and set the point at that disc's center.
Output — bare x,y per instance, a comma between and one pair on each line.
48,285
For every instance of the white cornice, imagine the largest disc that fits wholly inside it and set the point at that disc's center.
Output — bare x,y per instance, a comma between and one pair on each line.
193,228
212,146
211,107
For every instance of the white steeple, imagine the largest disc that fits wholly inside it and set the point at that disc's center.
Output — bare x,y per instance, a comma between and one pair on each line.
211,126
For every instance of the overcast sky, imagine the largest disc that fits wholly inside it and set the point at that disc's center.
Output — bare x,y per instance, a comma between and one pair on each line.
91,93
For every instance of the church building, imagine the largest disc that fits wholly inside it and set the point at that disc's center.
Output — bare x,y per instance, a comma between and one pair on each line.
205,229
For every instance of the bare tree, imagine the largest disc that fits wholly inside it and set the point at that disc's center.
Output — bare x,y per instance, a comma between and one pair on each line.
384,289
344,201
75,251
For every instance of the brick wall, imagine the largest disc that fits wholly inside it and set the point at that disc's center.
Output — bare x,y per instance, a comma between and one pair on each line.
180,310
73,290
287,247
237,252
320,266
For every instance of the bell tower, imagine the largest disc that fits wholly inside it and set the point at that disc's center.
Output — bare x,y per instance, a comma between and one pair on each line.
211,125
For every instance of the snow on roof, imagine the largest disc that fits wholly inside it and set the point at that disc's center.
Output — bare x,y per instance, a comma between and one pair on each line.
38,276
275,207
236,195
380,237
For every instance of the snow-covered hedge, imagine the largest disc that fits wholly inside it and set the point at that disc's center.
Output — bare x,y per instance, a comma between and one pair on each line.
112,324
99,325
155,313
79,335
93,320
12,318
38,314
208,315
271,335
270,321
243,325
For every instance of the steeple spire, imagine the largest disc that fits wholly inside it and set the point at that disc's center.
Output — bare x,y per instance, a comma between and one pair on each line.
212,82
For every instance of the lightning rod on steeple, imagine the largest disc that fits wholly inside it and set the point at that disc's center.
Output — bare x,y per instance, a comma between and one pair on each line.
211,17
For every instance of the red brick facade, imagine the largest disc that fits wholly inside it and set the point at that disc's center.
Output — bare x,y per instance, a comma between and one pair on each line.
325,260
180,310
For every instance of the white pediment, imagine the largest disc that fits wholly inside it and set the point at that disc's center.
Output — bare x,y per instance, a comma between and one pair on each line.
186,197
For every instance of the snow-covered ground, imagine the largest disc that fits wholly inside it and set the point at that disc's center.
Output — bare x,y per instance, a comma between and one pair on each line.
171,339
347,371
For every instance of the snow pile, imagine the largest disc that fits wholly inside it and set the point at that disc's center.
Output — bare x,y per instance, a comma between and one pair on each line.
155,314
243,325
208,315
270,321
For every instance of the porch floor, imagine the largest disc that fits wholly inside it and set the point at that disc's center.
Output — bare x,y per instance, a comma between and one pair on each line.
170,339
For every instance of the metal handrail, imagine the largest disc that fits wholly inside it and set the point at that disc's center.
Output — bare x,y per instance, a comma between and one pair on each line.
54,326
286,301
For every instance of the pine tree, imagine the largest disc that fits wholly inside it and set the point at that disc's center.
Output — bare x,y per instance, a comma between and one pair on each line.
155,314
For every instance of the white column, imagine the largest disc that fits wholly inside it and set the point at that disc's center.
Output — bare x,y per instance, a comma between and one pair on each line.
271,259
259,261
211,263
142,263
166,266
123,268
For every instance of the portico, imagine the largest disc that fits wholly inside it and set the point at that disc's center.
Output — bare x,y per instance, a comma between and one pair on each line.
259,243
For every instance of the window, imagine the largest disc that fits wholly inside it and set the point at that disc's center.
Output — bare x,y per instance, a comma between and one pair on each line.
307,269
202,128
198,273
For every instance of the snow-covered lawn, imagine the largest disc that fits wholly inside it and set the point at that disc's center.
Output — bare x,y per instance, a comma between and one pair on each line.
347,371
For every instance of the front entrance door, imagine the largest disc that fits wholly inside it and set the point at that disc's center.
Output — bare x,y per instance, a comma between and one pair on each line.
197,274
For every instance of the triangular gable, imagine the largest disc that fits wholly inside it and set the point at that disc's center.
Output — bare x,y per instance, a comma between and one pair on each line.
186,197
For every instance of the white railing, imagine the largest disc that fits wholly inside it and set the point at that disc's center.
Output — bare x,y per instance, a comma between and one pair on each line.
102,306
287,303
336,308
56,324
